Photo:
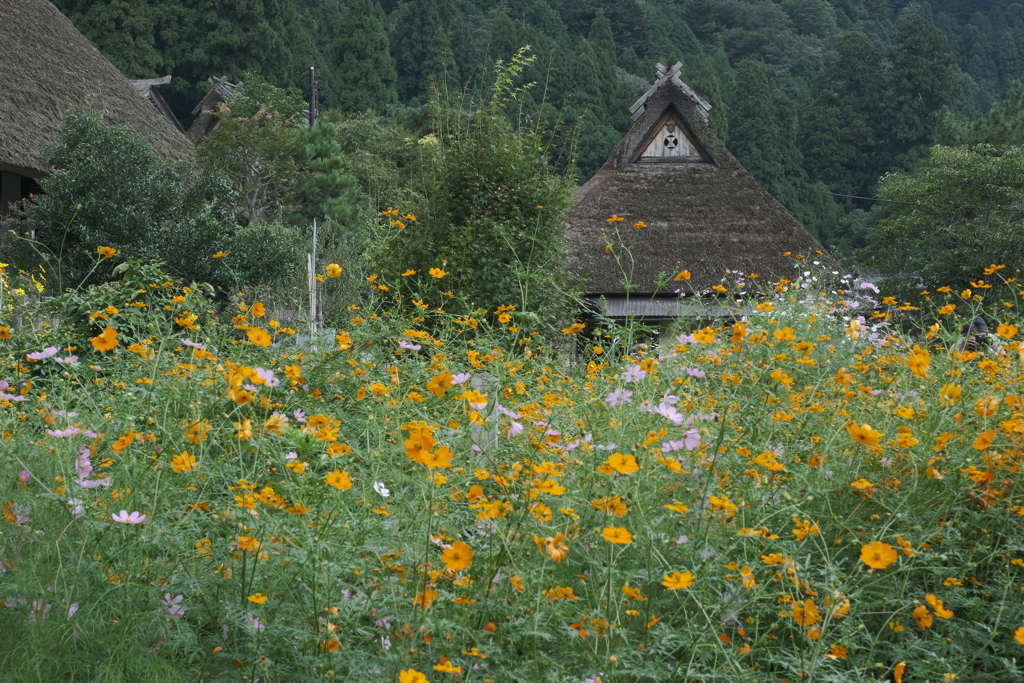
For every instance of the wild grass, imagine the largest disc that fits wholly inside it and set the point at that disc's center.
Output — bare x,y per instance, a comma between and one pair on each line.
799,494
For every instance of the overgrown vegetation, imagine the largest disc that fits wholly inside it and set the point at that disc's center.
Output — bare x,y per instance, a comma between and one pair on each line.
805,493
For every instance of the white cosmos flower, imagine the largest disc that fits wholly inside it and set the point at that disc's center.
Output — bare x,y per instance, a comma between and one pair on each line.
379,487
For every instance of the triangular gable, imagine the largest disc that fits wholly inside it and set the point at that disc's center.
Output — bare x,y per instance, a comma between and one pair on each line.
669,75
670,140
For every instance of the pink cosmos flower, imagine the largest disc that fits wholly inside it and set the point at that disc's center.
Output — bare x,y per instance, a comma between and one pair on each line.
618,397
45,353
406,345
632,374
134,518
515,429
268,377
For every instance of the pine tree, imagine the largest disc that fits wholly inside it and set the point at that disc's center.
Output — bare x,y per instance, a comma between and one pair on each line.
422,46
364,72
922,80
840,135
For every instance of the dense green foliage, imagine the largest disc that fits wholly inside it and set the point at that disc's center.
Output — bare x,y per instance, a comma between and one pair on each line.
492,213
960,213
853,88
792,497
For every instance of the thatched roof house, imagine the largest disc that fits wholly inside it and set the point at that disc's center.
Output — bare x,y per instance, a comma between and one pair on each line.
702,212
221,91
46,67
147,87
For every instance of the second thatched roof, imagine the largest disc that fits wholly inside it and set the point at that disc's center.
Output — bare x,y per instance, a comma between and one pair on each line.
47,67
701,210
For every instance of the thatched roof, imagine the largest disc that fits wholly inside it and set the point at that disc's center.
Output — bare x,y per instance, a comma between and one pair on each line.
206,120
703,211
47,67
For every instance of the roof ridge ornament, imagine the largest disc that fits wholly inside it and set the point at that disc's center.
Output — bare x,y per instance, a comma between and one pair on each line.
670,75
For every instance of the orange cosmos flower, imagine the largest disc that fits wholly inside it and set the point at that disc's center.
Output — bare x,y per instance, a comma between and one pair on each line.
183,462
447,667
411,676
105,341
633,593
259,337
339,480
683,275
437,272
425,598
984,440
333,270
923,619
676,580
458,557
747,574
220,254
439,383
864,434
618,535
806,613
619,462
258,598
877,555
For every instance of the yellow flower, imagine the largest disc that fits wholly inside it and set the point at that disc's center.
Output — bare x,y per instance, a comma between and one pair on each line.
675,580
220,254
458,557
614,219
183,462
437,272
259,337
333,270
574,328
1018,635
618,535
107,252
105,341
877,555
805,613
258,598
339,480
619,462
425,598
639,224
949,394
864,434
244,429
683,275
633,593
411,676
1006,330
947,309
447,667
984,440
408,273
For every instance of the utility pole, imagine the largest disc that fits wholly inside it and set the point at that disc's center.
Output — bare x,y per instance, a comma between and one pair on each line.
312,97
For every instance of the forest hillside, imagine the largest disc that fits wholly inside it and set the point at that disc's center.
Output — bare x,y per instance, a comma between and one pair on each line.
816,98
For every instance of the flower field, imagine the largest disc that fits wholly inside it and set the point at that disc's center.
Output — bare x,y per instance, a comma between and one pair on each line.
821,492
